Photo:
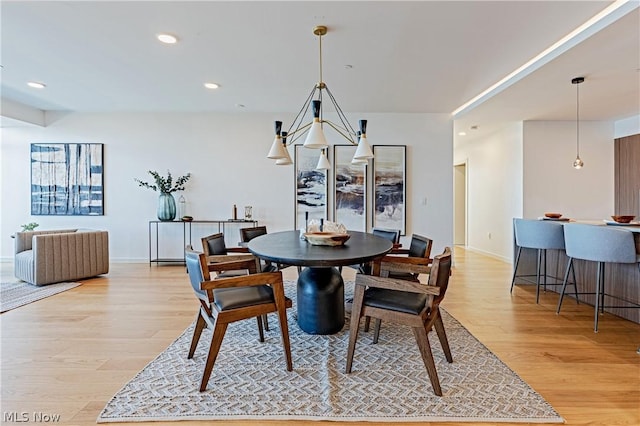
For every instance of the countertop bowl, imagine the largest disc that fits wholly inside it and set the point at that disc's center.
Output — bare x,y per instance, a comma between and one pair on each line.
553,215
623,218
326,238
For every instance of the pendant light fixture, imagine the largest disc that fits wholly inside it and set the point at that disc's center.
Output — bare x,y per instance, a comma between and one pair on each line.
286,160
314,130
578,163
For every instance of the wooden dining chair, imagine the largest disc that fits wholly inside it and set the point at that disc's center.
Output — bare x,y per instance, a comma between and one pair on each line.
214,245
418,253
248,234
405,302
226,300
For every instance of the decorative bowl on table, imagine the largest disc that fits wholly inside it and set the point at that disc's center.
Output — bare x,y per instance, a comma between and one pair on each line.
553,215
326,238
623,218
186,218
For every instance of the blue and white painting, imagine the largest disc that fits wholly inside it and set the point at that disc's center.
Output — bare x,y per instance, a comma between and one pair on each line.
311,186
66,179
389,202
351,188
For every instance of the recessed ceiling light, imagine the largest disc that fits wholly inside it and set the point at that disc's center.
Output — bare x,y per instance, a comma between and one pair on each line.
167,38
462,133
211,85
36,85
240,105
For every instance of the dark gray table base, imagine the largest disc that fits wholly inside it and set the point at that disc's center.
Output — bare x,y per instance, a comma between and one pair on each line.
320,300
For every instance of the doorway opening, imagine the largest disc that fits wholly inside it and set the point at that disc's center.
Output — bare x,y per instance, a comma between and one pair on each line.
460,204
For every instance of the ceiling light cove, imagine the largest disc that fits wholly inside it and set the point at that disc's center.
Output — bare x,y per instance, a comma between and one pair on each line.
211,85
167,38
36,85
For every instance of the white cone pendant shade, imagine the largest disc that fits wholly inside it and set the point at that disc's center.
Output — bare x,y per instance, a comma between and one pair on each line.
323,162
363,151
286,160
357,161
315,137
277,150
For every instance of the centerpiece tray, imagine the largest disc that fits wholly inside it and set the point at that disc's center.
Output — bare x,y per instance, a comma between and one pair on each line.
326,238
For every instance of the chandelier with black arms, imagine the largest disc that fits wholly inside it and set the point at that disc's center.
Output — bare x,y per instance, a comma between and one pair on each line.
315,138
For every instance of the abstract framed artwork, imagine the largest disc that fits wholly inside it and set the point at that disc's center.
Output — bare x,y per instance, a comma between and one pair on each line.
311,186
67,179
389,187
350,200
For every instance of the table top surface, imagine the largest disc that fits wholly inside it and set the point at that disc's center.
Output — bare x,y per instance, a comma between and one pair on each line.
287,247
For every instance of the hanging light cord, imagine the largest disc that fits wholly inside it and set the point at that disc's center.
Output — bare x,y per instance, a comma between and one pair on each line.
578,120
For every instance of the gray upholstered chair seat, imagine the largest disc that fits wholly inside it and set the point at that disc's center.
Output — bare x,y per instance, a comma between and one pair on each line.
394,300
234,298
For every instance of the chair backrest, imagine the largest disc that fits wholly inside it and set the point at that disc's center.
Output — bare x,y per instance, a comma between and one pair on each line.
539,234
599,243
392,235
248,234
198,272
439,276
420,246
214,244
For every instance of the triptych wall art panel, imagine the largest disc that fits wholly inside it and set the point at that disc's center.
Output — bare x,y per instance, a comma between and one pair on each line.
389,177
67,179
360,198
350,198
311,186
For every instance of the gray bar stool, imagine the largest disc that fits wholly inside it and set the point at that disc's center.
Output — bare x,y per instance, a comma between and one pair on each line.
540,235
602,244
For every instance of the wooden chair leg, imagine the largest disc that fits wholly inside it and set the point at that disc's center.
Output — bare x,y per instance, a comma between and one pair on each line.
265,321
442,336
367,323
356,314
260,329
197,332
216,341
376,330
284,332
427,357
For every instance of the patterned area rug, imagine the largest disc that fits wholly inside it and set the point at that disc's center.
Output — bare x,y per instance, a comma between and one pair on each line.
14,295
388,381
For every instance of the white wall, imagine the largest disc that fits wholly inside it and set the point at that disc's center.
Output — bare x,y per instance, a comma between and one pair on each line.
627,127
551,184
494,176
226,154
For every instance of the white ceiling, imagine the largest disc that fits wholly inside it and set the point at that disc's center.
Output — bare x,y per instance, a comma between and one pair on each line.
414,56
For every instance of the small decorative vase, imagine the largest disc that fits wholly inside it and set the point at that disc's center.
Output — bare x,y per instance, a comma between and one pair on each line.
166,207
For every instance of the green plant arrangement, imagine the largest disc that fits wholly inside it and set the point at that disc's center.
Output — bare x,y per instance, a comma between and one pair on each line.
165,185
29,226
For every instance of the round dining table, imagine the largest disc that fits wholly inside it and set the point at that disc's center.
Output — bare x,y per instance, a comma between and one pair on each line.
320,287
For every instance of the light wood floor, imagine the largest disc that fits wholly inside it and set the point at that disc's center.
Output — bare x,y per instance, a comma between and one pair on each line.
70,353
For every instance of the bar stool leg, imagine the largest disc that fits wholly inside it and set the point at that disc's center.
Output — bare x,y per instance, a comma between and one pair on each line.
602,292
564,283
575,283
597,307
544,255
538,265
515,268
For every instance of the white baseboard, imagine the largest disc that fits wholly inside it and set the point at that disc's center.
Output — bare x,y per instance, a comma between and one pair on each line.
489,254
